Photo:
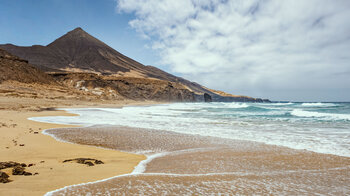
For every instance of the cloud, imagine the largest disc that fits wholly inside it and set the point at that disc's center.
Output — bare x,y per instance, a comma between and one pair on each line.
253,47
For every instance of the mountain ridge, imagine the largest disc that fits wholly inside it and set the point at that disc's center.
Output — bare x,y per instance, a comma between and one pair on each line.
78,51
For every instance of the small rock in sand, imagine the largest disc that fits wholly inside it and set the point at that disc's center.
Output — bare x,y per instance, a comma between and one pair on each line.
89,163
99,162
4,178
18,170
86,161
4,165
27,174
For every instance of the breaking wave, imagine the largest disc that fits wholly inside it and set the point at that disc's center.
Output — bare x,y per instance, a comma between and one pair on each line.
327,116
319,104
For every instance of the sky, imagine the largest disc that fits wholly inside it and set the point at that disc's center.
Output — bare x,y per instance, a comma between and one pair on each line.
292,50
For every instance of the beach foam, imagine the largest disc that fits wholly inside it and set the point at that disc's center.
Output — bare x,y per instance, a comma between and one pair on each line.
188,164
319,129
327,116
318,104
236,105
186,161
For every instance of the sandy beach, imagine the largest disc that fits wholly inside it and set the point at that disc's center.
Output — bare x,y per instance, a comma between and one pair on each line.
182,163
118,97
21,141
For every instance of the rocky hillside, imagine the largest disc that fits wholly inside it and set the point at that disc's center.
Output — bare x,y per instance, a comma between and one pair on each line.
79,52
16,69
21,79
112,87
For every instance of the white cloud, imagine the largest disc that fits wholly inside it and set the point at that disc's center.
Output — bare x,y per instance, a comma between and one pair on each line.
259,48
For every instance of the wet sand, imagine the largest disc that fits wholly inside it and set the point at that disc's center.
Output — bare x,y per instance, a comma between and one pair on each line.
192,164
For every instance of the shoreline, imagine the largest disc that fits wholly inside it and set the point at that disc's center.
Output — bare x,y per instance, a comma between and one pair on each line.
269,124
47,154
247,162
165,166
287,145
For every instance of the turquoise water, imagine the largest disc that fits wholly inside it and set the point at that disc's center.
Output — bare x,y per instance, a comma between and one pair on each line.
318,127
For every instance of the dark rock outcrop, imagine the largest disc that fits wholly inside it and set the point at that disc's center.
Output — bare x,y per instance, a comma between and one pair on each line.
266,100
89,163
98,162
4,177
86,161
218,98
207,97
19,170
9,164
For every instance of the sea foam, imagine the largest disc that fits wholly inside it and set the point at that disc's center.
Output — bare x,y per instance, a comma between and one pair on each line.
318,104
328,116
299,126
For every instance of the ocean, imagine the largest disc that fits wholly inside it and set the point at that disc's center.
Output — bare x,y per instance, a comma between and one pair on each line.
217,148
318,127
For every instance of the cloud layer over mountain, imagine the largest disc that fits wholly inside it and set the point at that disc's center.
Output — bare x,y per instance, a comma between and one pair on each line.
291,49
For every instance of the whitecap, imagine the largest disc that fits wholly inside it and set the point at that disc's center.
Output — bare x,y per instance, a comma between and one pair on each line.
319,104
236,105
328,116
289,103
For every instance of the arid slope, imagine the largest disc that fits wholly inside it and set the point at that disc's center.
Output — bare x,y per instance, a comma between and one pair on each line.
79,52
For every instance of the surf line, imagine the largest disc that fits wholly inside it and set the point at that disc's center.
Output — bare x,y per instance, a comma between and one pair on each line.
141,167
138,169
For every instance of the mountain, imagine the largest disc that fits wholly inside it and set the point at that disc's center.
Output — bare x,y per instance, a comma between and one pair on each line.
76,51
79,52
20,79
